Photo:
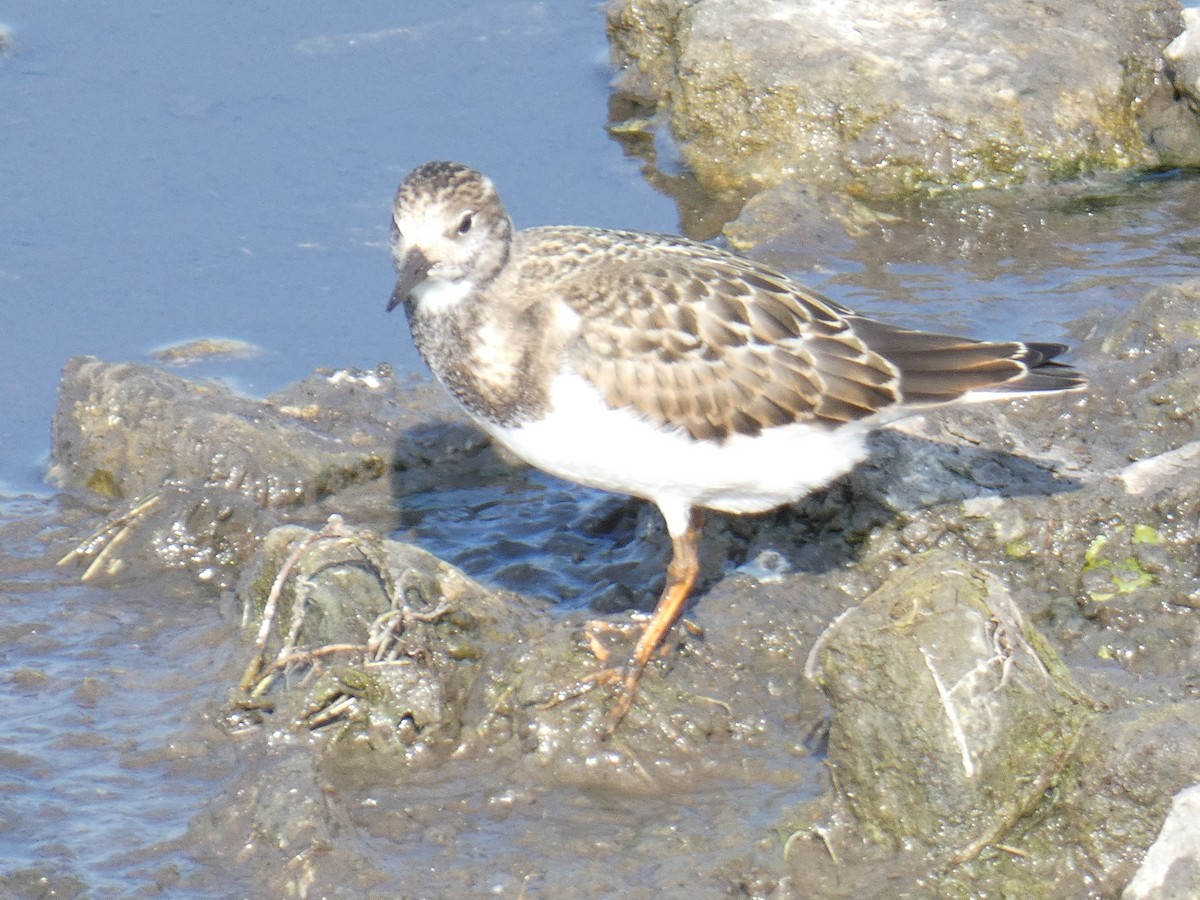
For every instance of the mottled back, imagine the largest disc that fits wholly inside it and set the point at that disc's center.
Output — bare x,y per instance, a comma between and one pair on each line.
693,336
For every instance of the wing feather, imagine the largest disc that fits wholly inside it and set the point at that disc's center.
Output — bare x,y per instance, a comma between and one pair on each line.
695,338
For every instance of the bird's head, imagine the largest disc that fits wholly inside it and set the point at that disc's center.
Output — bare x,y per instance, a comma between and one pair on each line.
450,235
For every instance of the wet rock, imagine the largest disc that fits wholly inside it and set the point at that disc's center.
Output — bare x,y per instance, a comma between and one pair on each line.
383,641
951,716
1171,868
678,716
1089,833
200,473
124,430
883,99
799,228
1183,57
1157,344
1102,553
1078,527
383,648
1130,764
189,353
206,532
1180,465
46,880
282,822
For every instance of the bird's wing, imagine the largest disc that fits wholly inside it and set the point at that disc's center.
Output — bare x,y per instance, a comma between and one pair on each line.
696,338
692,337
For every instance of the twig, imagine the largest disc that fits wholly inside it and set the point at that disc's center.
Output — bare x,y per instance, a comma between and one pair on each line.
1006,820
111,536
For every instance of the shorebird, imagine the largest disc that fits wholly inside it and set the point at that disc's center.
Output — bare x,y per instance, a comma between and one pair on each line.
663,368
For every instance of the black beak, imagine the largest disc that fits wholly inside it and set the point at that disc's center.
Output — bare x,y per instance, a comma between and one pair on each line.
412,272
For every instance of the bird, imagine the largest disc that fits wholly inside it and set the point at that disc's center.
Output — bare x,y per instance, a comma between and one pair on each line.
664,368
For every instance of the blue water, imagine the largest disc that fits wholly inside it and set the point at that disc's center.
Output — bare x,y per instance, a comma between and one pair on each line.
226,169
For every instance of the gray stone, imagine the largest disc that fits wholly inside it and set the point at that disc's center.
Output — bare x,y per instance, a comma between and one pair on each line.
951,716
881,99
1171,868
123,430
1183,56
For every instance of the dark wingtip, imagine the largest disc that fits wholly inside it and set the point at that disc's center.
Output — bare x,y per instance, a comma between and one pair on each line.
1045,374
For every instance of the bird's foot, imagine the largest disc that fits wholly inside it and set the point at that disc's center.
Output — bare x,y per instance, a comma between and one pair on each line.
681,575
627,676
596,630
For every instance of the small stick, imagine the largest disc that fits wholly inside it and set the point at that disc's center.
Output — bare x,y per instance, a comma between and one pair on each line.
116,532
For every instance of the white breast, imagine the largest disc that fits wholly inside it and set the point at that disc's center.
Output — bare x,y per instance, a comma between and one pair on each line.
436,296
584,440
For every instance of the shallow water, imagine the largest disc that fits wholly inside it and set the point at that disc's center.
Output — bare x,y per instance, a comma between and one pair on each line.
226,171
105,692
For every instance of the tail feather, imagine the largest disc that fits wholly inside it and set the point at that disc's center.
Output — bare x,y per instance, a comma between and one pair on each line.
1040,372
939,368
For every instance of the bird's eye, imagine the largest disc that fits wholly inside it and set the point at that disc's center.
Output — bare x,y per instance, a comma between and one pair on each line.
467,221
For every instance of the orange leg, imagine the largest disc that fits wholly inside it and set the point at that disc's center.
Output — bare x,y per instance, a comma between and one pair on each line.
681,576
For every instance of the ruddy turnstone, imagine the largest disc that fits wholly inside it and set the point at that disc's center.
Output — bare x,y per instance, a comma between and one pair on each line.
663,368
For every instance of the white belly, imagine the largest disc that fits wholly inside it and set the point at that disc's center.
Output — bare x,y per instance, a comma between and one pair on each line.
583,440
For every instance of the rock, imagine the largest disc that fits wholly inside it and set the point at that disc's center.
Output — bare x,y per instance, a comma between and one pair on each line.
391,639
951,717
1183,57
281,821
201,473
878,100
1164,471
1129,766
1158,342
125,430
187,353
1171,868
381,647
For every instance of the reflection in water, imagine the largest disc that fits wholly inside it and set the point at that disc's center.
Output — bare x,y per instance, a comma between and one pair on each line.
994,264
1006,264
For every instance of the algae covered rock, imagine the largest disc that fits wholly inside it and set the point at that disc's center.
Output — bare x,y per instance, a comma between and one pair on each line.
884,99
198,473
951,717
1171,867
1129,766
1183,56
123,430
379,640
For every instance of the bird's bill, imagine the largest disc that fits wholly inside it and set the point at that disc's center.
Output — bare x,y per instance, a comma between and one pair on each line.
410,273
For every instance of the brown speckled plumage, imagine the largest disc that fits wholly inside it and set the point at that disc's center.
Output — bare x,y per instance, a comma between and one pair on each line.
665,368
692,336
